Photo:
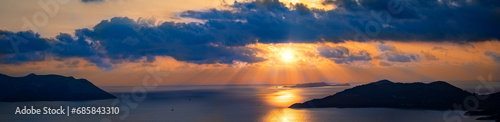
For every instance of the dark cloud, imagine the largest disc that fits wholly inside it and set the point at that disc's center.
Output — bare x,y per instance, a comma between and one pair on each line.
22,46
342,55
398,57
89,1
429,56
269,21
439,48
386,47
67,46
22,57
397,20
221,37
493,55
122,39
333,52
382,63
391,53
22,42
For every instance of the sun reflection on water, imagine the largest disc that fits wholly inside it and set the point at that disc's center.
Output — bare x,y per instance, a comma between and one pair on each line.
283,98
284,115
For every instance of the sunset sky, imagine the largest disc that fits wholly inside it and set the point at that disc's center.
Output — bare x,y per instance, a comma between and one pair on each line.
114,42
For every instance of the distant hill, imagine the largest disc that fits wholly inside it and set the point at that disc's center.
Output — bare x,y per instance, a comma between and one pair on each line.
437,95
48,88
489,107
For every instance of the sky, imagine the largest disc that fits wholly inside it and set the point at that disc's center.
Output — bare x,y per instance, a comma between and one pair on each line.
202,42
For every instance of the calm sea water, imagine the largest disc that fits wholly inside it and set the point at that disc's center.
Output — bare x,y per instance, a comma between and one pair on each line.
224,103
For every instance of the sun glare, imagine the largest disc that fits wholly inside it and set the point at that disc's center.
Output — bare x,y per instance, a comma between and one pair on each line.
287,56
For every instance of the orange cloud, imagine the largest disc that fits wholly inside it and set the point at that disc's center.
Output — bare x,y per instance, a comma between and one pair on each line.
289,63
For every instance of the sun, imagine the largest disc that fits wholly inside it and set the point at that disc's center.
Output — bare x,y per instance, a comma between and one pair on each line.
288,56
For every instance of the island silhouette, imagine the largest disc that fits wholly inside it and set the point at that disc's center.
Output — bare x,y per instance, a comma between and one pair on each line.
49,88
438,95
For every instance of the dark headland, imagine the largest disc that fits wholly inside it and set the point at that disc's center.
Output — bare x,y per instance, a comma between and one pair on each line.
437,95
48,88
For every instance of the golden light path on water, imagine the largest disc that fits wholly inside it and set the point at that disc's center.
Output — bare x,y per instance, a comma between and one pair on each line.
282,99
284,115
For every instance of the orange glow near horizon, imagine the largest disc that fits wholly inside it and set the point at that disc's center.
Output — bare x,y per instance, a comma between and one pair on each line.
291,63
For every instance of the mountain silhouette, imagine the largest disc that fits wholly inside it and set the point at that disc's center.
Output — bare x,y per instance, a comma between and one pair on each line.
489,107
48,88
437,95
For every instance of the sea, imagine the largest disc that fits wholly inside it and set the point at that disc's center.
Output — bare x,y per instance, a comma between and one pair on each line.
232,103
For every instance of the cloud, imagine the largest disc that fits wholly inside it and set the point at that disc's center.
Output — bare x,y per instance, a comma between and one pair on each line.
439,49
493,55
386,47
22,42
333,52
90,1
122,39
392,54
22,57
341,55
429,56
222,35
398,57
361,20
382,63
